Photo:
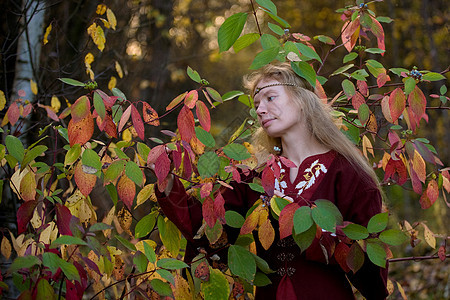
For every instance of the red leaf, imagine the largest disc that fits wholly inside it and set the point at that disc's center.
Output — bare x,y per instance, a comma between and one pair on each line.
340,254
126,189
286,219
80,109
191,99
208,212
441,253
137,122
288,163
362,87
355,257
203,115
80,132
81,286
378,31
13,113
85,182
155,153
430,195
63,217
176,101
187,166
27,110
125,117
236,175
357,100
219,208
397,102
320,92
268,181
415,181
386,109
396,170
150,115
186,124
108,126
24,215
382,78
417,102
206,189
177,157
71,291
107,100
350,34
162,166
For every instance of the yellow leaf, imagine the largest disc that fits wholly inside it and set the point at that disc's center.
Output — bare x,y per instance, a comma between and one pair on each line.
126,135
89,59
28,186
140,245
429,236
47,32
56,104
402,291
111,18
266,234
367,146
148,192
33,86
112,83
49,234
390,287
2,100
119,70
181,289
6,247
125,220
419,166
101,9
90,73
105,23
108,220
36,220
372,123
385,159
97,35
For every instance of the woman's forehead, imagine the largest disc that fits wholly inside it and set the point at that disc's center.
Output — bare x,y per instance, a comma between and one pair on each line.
264,86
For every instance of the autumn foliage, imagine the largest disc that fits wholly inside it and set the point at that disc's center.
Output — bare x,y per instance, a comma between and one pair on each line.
62,248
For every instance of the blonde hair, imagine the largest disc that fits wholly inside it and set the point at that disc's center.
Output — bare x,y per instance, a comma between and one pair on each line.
316,113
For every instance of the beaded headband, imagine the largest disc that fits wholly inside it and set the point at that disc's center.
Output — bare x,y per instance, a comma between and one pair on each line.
257,90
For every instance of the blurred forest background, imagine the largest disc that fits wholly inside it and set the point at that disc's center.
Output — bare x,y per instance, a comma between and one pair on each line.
155,41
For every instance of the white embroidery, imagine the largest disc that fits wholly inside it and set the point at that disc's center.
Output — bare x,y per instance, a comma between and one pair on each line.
310,175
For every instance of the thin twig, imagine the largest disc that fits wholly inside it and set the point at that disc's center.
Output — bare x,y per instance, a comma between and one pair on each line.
416,258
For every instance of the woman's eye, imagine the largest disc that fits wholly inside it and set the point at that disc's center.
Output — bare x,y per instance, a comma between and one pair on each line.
270,98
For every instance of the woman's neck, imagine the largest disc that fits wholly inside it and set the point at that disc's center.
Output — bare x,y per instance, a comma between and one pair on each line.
301,147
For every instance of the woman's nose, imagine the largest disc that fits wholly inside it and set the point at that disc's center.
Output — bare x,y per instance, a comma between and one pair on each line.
261,109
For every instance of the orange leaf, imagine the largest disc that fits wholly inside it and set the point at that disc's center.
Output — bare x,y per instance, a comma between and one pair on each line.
13,113
85,182
137,122
150,115
126,189
286,219
191,99
371,124
350,34
176,101
108,126
186,124
397,102
125,117
340,254
203,115
208,212
430,195
266,234
320,92
382,78
251,222
417,102
80,109
81,132
386,109
419,166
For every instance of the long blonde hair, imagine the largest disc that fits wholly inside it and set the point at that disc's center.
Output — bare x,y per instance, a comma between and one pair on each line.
316,113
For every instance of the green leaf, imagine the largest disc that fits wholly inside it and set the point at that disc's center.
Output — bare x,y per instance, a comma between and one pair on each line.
355,232
171,264
432,76
326,215
352,132
324,39
99,227
308,52
303,69
236,151
114,170
99,105
53,262
193,75
230,30
256,187
133,172
245,41
149,253
384,19
91,159
363,113
126,243
24,262
302,219
71,81
68,240
234,219
360,75
399,71
269,5
269,41
145,225
170,236
208,164
277,19
31,154
241,262
261,279
393,237
262,264
167,275
264,57
15,147
375,68
376,253
305,239
161,287
410,84
118,93
143,150
232,94
276,29
246,100
342,69
378,222
349,88
72,155
140,261
349,57
217,287
205,137
443,90
44,290
374,50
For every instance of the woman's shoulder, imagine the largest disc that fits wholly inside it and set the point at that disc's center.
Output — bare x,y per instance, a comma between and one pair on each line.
351,172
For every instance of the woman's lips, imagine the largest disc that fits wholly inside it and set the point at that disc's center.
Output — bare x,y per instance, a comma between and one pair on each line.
266,122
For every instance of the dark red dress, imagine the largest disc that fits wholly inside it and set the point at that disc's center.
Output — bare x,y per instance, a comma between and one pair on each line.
298,276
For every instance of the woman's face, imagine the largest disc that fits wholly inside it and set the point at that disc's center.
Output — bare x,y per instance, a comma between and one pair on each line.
277,113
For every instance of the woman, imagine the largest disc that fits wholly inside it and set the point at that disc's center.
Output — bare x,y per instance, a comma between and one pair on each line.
297,125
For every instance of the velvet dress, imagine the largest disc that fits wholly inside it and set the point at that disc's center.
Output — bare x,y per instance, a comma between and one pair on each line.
297,275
